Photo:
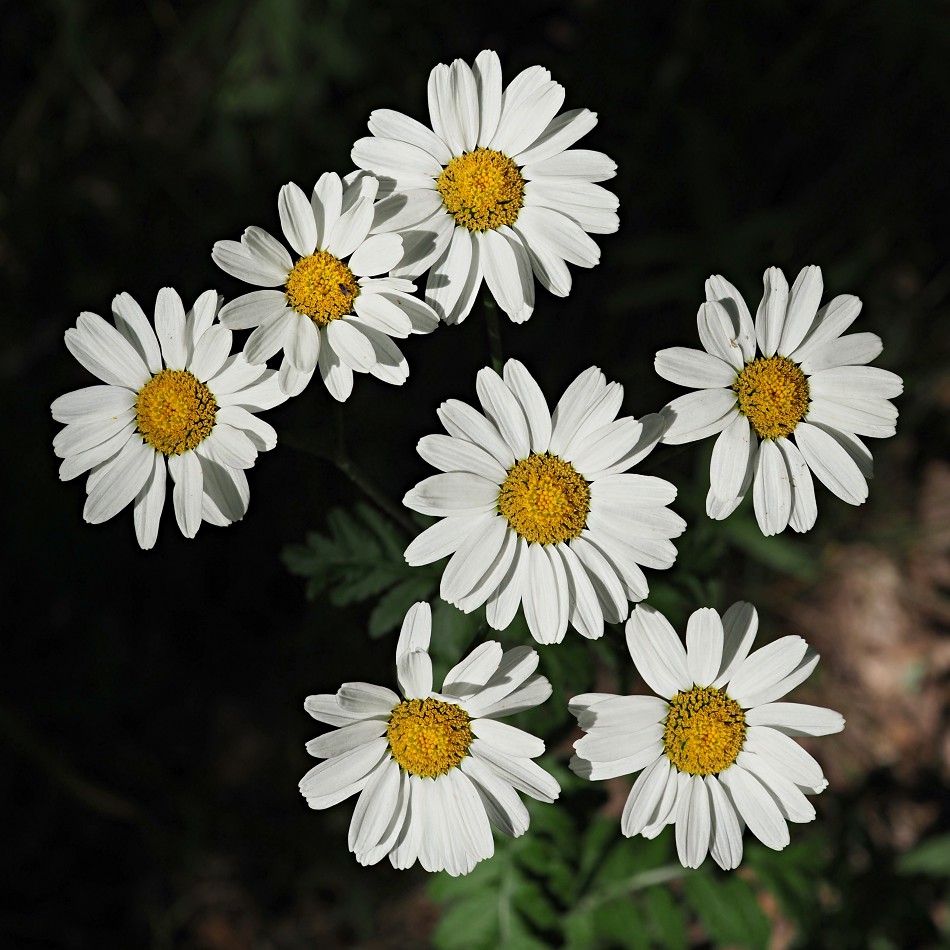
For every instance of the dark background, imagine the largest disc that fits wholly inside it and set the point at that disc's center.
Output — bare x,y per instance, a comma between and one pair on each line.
151,713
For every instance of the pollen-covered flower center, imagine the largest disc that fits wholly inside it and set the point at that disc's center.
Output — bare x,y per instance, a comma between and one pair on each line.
545,499
482,190
428,737
175,411
772,393
322,288
705,730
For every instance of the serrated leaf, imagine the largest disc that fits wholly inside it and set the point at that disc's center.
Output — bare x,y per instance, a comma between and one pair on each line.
391,608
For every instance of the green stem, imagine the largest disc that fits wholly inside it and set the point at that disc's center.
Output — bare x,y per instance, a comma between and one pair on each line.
638,882
494,334
342,460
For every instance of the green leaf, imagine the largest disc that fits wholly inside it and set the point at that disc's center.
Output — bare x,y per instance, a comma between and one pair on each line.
931,857
778,552
666,918
361,558
729,909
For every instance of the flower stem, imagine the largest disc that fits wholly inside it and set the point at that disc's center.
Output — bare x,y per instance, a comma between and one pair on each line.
494,334
342,460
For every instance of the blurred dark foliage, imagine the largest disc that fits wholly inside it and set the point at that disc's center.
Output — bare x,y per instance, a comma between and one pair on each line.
151,712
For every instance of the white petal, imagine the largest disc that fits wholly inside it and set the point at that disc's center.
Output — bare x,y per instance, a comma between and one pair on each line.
92,403
721,291
514,669
456,455
414,672
785,755
545,595
302,345
507,272
555,233
740,623
338,741
832,464
351,229
831,321
804,508
120,481
388,124
336,375
148,504
697,368
351,345
504,410
326,202
296,219
505,809
645,796
464,422
584,610
855,348
533,692
503,604
723,332
579,163
237,260
657,652
764,668
693,824
756,807
211,351
102,350
455,277
620,713
416,630
251,310
796,719
407,163
471,674
524,774
508,739
452,493
185,470
803,300
771,489
270,336
731,455
342,771
609,589
441,539
784,792
770,317
131,322
365,699
561,133
378,254
704,641
726,848
532,401
523,121
697,415
475,556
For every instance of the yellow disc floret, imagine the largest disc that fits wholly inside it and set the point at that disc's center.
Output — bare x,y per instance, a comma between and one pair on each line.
322,288
705,730
428,737
772,393
175,411
545,499
482,190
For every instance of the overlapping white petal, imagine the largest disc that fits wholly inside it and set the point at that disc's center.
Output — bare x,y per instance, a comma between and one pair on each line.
580,581
335,221
101,434
846,399
469,109
443,822
766,783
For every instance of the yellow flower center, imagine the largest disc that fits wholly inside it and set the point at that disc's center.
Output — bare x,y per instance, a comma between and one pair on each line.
482,190
705,730
428,737
322,288
175,412
773,394
545,499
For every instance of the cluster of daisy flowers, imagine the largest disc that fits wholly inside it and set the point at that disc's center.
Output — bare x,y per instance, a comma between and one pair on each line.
536,508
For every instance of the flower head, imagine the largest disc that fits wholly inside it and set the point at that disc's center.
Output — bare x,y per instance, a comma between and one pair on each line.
331,311
493,190
715,748
534,507
178,401
790,396
433,770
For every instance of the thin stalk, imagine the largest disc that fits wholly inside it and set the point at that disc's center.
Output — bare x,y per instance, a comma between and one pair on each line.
494,334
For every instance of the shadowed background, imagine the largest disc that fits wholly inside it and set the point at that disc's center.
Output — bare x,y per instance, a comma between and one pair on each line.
151,714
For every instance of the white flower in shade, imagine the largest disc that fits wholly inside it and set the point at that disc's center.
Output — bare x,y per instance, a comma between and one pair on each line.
493,190
789,394
179,399
331,311
433,769
535,509
716,751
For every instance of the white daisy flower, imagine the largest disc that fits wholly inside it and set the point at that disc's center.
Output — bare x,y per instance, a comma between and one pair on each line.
493,190
716,751
433,769
535,509
180,399
796,408
330,311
